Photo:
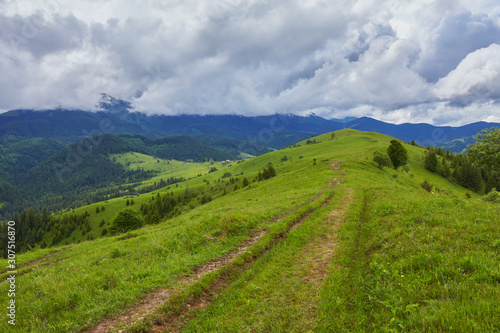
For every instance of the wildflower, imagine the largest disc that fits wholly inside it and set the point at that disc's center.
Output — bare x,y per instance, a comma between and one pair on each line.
402,276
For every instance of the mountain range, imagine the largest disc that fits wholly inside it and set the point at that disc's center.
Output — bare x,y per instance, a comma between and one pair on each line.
273,131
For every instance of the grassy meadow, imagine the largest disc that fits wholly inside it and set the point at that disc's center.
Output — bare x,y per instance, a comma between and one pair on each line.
345,247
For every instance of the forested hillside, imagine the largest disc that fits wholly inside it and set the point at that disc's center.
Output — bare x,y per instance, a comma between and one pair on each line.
46,173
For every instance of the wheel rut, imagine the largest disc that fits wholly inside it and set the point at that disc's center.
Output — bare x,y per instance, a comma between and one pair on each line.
173,322
157,298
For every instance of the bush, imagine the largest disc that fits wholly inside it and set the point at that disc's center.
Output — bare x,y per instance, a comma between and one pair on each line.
427,186
127,219
382,160
266,173
206,198
493,196
116,253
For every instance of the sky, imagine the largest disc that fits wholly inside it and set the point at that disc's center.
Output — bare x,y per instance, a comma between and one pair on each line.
398,60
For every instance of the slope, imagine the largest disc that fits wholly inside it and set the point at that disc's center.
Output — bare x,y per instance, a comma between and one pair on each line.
40,172
375,252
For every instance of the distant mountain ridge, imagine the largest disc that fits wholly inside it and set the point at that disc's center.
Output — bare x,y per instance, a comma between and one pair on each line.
423,134
274,131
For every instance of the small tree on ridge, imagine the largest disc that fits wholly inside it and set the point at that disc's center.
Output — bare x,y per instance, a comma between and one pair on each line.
397,153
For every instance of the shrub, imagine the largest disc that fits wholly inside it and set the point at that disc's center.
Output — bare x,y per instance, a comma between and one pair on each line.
427,186
127,219
206,198
116,253
493,196
266,173
382,160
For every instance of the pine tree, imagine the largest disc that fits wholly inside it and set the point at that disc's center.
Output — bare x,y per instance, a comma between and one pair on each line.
469,176
431,161
445,171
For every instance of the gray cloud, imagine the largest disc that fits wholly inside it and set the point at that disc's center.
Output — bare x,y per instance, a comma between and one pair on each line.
454,38
417,62
40,36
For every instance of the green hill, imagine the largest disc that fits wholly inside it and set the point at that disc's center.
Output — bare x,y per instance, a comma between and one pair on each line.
332,243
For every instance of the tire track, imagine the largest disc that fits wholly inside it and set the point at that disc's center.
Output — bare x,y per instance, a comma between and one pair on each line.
157,298
174,321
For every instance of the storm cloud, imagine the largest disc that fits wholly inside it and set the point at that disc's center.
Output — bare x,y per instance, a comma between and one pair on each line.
421,61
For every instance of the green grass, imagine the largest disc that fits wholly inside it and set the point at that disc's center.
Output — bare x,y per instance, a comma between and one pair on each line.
92,283
404,259
280,293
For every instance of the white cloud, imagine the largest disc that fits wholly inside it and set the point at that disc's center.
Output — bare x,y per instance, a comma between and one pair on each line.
476,77
432,60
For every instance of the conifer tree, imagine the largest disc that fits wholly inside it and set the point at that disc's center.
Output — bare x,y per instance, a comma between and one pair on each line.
245,182
397,153
431,161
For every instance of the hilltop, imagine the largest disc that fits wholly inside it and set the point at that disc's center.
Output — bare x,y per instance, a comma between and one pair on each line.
330,243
